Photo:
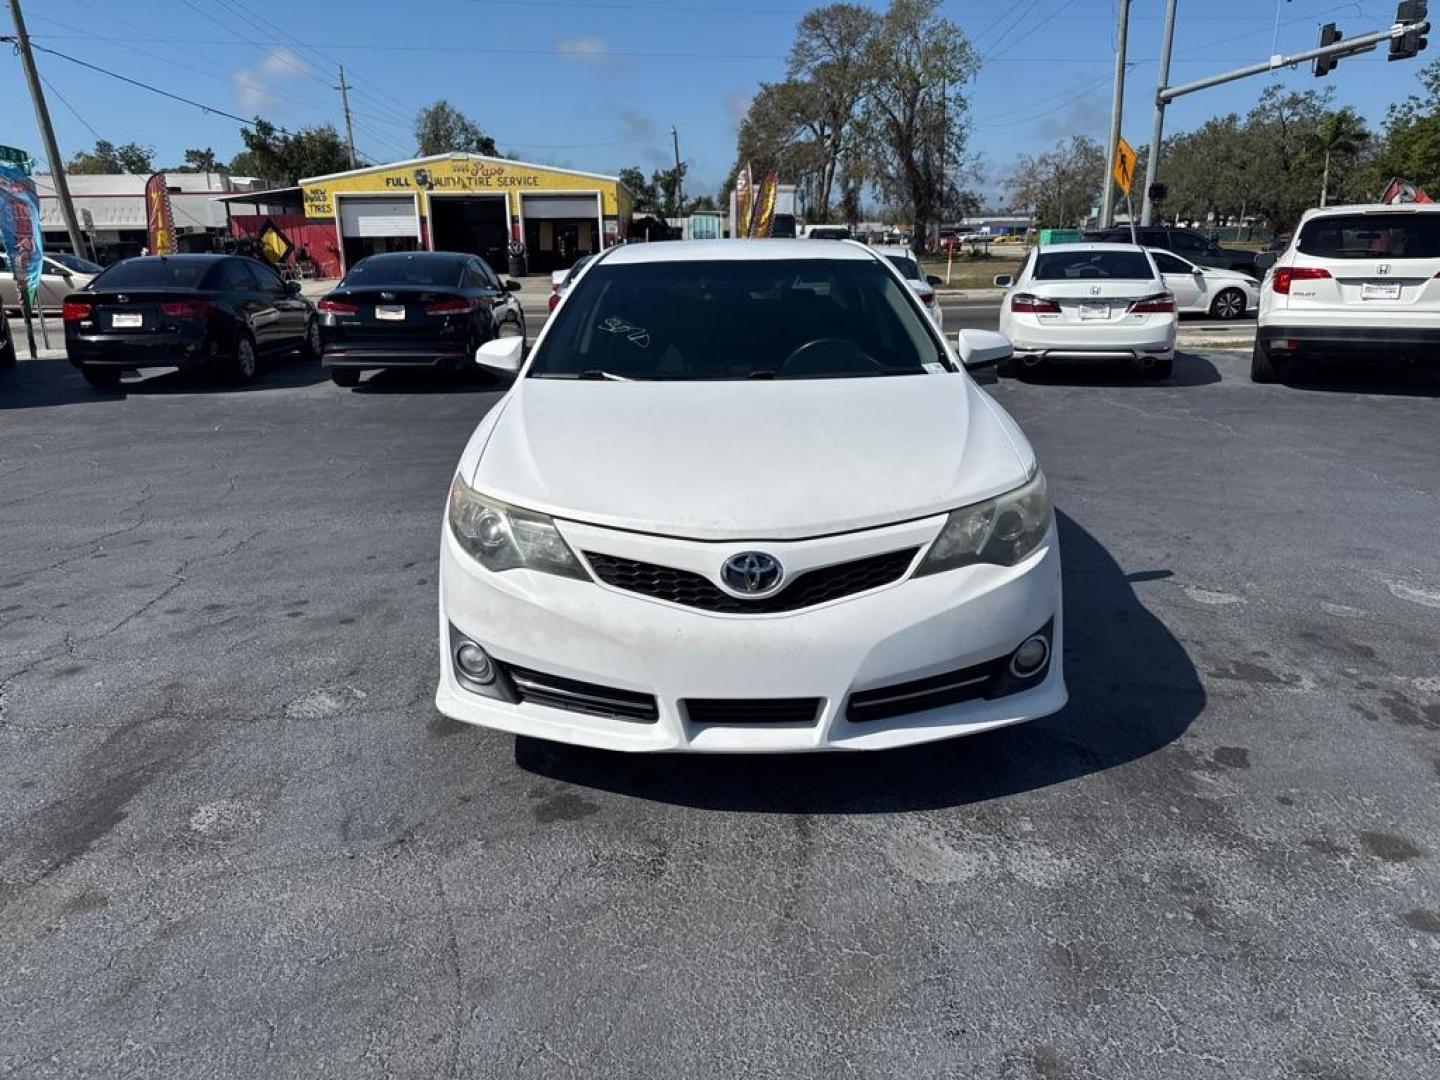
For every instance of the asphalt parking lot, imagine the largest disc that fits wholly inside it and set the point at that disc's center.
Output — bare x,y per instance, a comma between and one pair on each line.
241,842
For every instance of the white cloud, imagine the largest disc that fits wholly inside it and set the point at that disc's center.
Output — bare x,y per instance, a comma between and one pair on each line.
593,52
282,62
737,104
256,88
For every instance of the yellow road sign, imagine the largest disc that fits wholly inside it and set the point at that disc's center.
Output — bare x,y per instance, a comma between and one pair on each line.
1124,170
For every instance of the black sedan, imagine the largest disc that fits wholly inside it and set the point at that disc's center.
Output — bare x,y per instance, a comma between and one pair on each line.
429,309
223,312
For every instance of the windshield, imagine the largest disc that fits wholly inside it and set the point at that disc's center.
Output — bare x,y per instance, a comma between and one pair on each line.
154,272
74,262
1083,265
908,268
738,319
1372,236
402,270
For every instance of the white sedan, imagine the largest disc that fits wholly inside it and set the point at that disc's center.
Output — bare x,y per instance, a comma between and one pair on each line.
1085,303
1208,290
923,286
60,275
743,496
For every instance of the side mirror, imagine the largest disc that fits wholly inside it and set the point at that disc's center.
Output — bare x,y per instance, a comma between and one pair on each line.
511,285
1264,261
1004,281
933,280
502,354
292,287
982,348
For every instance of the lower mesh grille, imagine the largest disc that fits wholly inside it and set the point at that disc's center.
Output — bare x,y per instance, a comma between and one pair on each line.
697,591
572,695
752,710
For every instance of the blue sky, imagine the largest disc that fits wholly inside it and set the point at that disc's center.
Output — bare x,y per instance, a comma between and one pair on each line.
596,84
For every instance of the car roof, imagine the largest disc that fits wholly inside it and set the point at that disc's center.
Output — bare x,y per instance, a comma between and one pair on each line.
735,251
398,256
1047,249
1370,208
893,249
204,257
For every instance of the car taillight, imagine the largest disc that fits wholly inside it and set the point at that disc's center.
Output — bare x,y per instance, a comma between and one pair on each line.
73,312
337,307
187,309
458,305
1160,303
554,300
927,296
1034,305
1284,275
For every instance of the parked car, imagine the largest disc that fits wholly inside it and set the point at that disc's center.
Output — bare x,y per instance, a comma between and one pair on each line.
59,274
1187,243
225,312
561,280
827,232
1079,303
428,309
7,343
923,285
1357,281
622,567
1221,294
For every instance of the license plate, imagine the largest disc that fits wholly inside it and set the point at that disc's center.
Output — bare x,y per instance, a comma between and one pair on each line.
125,321
1380,290
393,312
1094,311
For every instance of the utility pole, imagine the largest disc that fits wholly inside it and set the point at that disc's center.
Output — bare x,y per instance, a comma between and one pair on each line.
345,105
47,133
1152,159
679,180
1117,106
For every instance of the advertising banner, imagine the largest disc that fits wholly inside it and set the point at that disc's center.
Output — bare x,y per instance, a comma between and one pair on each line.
159,219
744,201
20,226
1402,191
763,218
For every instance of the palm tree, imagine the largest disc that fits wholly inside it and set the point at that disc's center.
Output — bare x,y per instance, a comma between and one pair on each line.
1340,134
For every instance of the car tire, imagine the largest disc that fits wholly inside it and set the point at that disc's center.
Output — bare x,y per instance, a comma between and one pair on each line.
244,363
1006,369
101,378
1264,368
1228,304
313,349
341,376
1160,369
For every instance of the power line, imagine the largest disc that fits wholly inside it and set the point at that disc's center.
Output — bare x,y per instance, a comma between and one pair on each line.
73,111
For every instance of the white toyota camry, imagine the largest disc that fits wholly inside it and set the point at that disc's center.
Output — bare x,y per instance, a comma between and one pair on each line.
744,497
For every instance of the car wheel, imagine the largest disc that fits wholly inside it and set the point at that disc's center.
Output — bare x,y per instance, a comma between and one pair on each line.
1160,369
1230,304
1264,368
1005,369
101,378
345,376
313,347
243,363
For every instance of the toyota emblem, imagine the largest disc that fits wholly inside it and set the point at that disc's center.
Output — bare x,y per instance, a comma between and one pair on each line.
753,573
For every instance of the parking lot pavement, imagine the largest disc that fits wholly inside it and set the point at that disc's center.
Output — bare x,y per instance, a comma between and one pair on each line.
240,842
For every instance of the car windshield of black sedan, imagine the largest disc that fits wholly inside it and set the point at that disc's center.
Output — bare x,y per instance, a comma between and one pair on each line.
739,319
155,272
426,271
1082,265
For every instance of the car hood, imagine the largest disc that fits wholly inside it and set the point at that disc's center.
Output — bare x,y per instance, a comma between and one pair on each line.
781,459
1216,273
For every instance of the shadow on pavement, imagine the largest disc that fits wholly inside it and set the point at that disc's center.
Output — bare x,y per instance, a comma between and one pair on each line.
429,381
1398,378
35,384
1190,370
1133,690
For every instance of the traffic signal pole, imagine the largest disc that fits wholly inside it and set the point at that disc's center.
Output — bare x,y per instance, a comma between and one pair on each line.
1117,107
1157,131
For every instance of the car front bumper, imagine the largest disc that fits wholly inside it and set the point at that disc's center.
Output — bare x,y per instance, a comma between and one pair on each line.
969,619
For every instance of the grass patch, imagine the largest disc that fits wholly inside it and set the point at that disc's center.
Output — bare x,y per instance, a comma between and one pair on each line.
973,273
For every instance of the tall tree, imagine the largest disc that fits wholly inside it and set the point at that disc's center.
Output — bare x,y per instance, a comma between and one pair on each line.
1340,138
829,60
1058,187
647,199
109,158
915,109
443,129
286,157
1412,135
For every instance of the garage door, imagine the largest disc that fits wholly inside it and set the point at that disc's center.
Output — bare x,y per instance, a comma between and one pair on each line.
560,206
377,217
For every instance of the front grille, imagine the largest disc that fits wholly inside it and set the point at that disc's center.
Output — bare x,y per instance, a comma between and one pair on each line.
808,589
931,693
572,695
752,710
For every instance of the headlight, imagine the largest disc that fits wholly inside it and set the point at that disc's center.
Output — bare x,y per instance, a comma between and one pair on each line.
1001,530
503,537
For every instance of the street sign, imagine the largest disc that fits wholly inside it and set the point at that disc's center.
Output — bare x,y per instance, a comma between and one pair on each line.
17,157
1124,171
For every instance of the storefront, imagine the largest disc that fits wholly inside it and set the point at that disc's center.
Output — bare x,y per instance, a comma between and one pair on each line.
466,202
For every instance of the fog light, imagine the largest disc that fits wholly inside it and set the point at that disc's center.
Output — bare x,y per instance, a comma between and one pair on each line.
474,664
1030,657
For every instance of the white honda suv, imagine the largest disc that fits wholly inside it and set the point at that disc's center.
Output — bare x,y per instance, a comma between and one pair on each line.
1355,280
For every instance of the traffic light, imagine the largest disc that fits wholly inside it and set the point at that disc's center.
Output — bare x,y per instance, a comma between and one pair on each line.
1328,36
1412,14
1157,192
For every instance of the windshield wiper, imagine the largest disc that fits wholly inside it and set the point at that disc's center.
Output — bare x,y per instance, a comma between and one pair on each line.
606,376
762,373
